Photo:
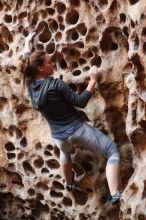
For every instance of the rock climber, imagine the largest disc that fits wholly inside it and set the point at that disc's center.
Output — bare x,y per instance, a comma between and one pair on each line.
57,101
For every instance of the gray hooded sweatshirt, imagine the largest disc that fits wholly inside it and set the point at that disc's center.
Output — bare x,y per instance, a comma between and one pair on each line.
56,101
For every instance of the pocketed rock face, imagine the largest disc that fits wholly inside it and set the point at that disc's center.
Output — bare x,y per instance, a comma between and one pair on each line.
76,34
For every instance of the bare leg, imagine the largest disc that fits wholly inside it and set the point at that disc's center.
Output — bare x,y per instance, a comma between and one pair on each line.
113,177
67,170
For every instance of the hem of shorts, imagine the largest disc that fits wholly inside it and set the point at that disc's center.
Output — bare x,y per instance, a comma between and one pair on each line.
55,131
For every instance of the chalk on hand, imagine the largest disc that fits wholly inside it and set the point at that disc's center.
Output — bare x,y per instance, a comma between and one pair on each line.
93,70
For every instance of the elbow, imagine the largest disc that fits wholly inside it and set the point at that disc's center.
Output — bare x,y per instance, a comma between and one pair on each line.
82,105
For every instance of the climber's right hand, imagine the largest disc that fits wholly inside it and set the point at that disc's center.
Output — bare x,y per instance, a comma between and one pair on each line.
93,73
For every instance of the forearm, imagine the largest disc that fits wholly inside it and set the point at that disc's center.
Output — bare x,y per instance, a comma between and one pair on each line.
91,85
27,47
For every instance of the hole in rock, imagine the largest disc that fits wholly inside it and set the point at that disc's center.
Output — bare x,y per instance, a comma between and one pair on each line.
82,61
57,185
144,190
75,2
53,164
34,19
109,35
132,2
7,34
72,16
86,68
9,146
79,44
75,35
63,64
44,170
61,8
20,109
43,186
18,132
48,2
96,61
17,81
19,4
8,18
61,76
1,6
36,212
144,48
67,201
44,14
100,20
39,47
39,196
47,153
56,151
73,65
76,72
82,29
136,60
129,211
31,192
103,3
141,217
58,36
51,11
144,32
11,155
38,146
114,7
56,194
126,31
101,217
2,47
50,48
23,142
49,147
51,175
53,26
114,46
20,155
45,36
28,168
38,163
122,17
61,27
134,188
22,15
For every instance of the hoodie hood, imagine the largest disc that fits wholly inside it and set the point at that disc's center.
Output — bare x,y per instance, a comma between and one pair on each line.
38,92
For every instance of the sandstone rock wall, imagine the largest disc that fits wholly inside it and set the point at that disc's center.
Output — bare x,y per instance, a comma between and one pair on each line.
77,34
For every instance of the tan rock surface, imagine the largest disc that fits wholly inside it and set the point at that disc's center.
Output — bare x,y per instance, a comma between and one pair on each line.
76,34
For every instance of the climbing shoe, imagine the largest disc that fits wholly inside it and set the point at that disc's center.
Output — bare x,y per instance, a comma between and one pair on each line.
69,187
115,199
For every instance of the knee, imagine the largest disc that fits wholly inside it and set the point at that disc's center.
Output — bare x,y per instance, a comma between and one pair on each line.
64,157
115,158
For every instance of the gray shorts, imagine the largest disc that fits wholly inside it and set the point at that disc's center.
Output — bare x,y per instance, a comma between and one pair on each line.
90,138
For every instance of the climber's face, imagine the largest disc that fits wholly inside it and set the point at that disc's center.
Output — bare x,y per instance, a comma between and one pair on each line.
47,68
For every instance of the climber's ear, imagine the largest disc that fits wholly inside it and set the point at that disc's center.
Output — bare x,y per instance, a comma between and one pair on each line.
40,68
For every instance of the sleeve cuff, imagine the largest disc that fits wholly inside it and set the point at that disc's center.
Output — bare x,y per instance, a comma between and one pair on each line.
26,54
88,93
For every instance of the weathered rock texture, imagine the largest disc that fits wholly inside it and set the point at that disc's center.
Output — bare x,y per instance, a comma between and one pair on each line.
76,34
